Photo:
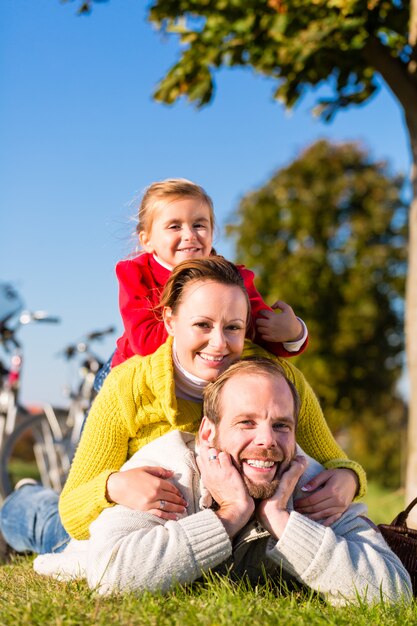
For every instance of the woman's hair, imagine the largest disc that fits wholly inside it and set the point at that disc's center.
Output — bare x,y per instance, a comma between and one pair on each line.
255,365
213,268
165,191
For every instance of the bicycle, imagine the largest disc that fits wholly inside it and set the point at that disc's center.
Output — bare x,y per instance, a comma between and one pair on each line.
48,441
83,396
13,415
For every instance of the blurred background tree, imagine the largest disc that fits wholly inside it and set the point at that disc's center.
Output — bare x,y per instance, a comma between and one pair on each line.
328,235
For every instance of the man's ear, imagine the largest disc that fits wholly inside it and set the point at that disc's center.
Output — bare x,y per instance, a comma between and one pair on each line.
145,241
169,320
206,432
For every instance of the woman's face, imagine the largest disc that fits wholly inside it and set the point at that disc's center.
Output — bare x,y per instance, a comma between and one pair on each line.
209,327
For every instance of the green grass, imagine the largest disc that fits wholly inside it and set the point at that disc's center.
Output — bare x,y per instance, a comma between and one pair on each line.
29,599
26,598
22,469
383,505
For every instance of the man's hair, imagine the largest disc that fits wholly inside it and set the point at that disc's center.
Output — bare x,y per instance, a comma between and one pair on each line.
254,365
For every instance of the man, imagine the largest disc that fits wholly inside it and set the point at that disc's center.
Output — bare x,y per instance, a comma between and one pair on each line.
239,482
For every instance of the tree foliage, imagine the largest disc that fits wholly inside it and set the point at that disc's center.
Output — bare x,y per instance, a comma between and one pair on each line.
299,43
327,234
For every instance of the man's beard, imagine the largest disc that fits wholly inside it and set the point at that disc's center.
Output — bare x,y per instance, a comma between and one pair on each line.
258,491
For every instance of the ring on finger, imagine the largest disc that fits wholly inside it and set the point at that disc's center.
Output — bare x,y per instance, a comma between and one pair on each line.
212,457
162,504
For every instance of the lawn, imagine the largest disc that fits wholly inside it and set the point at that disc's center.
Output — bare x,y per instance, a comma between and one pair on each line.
26,598
29,599
383,505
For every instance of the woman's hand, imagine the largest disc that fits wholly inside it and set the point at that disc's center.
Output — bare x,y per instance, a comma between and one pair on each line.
146,489
334,491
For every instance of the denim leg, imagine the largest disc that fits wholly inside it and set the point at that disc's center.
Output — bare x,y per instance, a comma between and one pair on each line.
30,522
102,374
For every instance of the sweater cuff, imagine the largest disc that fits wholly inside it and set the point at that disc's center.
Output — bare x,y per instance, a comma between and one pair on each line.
208,538
355,467
299,544
100,489
295,346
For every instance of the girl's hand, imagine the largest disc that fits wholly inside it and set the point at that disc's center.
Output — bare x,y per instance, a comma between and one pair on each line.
334,491
284,326
146,489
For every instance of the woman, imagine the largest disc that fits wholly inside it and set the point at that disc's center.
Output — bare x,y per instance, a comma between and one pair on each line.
205,310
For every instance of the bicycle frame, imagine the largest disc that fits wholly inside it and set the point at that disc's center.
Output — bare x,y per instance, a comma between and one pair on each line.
52,437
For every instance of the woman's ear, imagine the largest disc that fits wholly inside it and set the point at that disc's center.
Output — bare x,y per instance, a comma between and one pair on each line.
145,242
169,321
206,432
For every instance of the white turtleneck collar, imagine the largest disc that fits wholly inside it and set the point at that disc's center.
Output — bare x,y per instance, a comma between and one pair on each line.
161,262
187,386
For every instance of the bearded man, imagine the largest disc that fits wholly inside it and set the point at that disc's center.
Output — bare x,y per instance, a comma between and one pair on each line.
240,481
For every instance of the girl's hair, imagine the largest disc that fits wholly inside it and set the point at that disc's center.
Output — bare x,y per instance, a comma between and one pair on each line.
165,191
252,366
213,268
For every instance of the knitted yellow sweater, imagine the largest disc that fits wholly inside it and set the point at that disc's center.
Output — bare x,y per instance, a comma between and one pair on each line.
137,404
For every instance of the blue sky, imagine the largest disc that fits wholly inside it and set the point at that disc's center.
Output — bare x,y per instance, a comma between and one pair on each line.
80,137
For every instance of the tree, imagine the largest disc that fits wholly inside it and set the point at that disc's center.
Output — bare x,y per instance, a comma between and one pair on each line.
327,234
347,44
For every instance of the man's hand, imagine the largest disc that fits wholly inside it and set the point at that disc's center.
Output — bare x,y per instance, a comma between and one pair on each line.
272,513
226,487
334,491
284,326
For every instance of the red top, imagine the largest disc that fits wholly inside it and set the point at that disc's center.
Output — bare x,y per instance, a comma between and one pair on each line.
141,281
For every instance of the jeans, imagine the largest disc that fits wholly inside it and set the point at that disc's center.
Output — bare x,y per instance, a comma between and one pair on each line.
102,374
30,522
29,517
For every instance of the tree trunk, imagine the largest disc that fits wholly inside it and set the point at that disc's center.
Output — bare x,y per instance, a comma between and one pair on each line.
411,333
403,84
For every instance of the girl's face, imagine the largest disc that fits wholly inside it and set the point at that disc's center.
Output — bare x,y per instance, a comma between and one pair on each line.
180,230
209,327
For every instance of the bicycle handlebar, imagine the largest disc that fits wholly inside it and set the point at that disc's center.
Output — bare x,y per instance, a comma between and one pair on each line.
98,334
37,316
82,346
49,320
8,334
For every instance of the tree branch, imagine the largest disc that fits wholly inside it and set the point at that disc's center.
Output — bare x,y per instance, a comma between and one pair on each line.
394,73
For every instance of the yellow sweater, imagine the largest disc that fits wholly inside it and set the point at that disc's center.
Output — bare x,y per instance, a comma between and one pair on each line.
137,404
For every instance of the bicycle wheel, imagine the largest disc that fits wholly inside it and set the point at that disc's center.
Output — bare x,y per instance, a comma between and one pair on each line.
32,451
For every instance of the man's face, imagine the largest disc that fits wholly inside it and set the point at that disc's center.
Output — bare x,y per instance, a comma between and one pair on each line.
257,428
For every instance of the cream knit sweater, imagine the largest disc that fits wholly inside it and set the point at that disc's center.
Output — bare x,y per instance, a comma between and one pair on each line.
135,551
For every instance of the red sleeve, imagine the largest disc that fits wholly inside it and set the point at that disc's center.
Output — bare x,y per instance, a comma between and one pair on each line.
258,305
139,294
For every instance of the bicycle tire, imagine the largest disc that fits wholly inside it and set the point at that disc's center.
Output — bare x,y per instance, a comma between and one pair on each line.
31,451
